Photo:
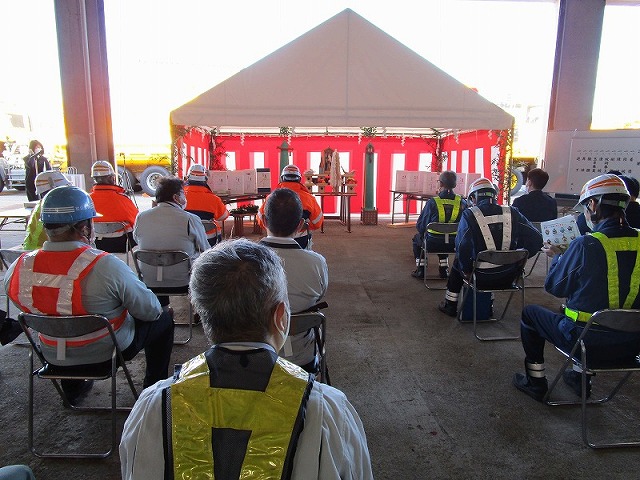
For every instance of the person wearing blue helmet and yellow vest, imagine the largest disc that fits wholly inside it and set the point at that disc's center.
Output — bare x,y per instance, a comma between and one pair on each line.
598,271
446,207
67,276
238,410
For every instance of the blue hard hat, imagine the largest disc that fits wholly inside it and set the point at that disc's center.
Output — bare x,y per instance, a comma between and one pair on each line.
66,205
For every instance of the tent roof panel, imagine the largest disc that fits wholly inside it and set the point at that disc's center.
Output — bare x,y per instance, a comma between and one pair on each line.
345,73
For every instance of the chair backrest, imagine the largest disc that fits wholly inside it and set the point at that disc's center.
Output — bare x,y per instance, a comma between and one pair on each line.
67,326
499,269
447,229
624,320
109,229
210,227
495,258
10,255
162,268
302,322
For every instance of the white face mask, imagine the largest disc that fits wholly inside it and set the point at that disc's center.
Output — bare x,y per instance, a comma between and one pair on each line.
587,217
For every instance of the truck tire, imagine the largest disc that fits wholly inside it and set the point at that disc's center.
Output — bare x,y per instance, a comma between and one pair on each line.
517,180
126,179
150,177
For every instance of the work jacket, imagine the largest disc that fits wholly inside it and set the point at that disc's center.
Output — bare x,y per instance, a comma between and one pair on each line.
311,211
250,423
114,205
508,230
598,271
445,208
48,283
202,202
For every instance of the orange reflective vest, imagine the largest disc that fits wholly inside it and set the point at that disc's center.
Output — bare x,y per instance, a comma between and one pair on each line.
48,283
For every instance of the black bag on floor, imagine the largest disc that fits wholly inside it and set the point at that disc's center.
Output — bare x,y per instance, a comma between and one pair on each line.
484,306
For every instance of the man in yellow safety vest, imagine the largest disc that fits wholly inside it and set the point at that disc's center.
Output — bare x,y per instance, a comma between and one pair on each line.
238,410
598,271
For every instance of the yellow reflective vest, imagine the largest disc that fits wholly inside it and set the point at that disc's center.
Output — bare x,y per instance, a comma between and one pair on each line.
611,247
455,210
226,424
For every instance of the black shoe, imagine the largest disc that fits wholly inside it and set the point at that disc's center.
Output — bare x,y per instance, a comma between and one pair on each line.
443,272
76,389
535,388
418,273
574,380
10,329
449,308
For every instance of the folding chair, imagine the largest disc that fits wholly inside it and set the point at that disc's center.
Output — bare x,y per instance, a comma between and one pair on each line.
68,327
535,260
153,266
449,231
212,230
622,320
301,323
113,230
482,277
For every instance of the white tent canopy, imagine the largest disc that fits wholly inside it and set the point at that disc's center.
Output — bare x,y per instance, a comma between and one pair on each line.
344,74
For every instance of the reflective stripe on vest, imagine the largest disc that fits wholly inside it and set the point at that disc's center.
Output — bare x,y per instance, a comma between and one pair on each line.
484,221
442,217
611,247
267,417
33,272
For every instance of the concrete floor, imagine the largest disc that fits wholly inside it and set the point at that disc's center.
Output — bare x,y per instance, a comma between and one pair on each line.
435,402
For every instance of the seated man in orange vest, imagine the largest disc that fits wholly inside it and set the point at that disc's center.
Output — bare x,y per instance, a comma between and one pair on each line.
113,204
311,212
69,277
201,201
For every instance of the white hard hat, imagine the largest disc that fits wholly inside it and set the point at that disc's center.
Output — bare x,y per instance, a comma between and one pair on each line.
49,180
290,173
102,168
607,184
482,184
197,173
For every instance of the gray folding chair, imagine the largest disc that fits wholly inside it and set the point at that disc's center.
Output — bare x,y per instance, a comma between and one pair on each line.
166,272
301,323
68,327
484,279
449,231
622,320
210,226
113,230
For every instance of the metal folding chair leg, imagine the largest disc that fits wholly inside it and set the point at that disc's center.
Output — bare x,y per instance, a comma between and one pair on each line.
190,324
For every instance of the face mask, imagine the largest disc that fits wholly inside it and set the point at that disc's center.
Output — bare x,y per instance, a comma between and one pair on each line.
587,217
37,150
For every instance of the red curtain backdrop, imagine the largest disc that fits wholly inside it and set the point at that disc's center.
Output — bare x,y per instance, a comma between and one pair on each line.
193,148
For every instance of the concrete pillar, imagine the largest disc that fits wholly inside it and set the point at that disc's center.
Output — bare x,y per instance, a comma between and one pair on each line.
85,82
576,64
